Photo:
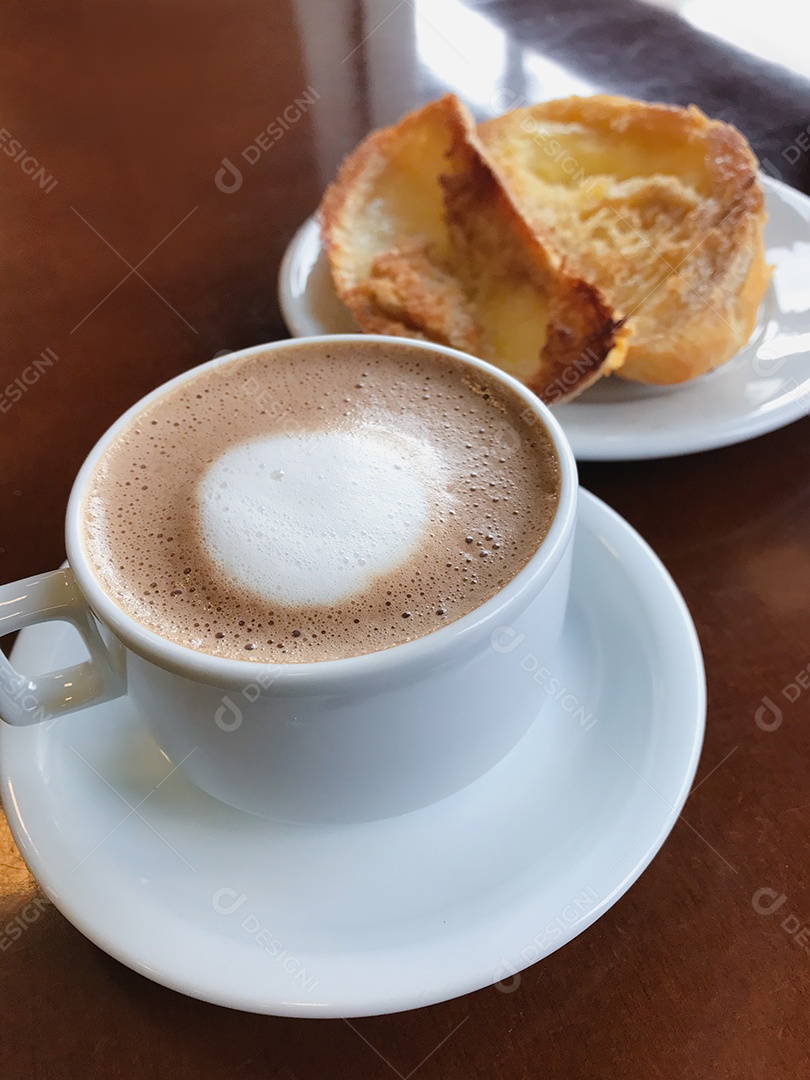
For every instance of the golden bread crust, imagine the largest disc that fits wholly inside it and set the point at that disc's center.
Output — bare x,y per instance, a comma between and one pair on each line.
424,241
659,207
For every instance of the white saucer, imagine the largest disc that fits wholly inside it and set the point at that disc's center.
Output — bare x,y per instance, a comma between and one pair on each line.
765,387
389,915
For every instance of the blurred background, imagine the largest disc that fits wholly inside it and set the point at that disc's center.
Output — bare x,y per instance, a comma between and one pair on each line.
155,160
121,254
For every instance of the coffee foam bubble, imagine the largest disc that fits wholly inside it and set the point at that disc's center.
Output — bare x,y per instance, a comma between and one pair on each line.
315,517
225,569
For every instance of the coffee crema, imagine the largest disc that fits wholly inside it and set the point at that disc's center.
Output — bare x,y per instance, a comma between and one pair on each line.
319,501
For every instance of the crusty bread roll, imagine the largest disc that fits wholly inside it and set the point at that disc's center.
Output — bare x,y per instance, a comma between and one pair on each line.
424,242
659,207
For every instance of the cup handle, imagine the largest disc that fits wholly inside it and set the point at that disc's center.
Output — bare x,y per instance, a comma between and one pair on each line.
25,700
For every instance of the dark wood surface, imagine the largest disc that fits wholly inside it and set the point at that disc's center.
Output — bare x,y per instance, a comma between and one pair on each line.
131,109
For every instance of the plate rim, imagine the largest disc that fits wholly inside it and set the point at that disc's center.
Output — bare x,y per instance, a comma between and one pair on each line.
450,985
738,429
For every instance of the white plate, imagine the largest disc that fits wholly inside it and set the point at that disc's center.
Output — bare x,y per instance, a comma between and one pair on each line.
764,387
395,914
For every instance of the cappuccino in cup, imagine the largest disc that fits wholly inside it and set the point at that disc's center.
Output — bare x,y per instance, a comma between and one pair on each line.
319,502
308,566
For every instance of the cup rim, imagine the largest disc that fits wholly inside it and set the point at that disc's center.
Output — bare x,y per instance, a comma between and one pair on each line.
225,671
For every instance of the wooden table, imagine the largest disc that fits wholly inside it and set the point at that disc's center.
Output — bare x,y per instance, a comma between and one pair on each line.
123,256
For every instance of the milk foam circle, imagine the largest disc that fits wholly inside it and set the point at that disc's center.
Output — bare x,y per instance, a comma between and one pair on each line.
304,504
314,518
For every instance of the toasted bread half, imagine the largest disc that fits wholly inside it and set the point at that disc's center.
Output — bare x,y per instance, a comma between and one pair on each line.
424,242
659,207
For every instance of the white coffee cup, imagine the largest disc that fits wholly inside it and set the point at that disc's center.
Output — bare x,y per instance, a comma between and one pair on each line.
331,741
